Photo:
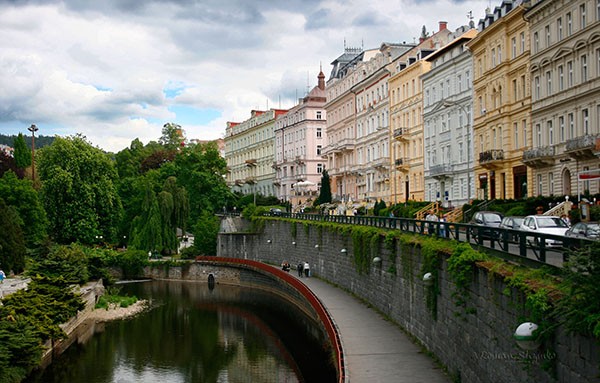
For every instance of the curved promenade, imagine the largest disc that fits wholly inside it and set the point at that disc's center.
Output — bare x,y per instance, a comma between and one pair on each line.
375,350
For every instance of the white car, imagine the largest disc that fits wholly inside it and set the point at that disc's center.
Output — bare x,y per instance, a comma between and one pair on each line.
545,224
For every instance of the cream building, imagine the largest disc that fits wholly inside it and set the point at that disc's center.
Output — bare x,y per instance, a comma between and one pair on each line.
406,116
502,103
565,73
341,132
300,136
447,111
250,152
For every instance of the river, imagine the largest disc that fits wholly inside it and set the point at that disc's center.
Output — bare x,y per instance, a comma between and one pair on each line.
193,333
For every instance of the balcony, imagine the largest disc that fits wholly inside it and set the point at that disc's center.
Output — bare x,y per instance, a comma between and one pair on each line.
402,164
381,162
401,134
299,160
251,162
491,159
440,171
250,180
275,165
583,147
239,182
539,157
346,144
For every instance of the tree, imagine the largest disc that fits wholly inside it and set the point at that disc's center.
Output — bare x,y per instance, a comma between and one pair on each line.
147,230
22,153
325,193
172,136
12,241
79,192
20,194
205,231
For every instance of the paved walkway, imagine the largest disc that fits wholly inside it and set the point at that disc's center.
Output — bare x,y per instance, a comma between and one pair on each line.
376,351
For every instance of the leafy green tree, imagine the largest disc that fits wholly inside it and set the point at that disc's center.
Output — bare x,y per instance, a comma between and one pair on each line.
325,193
68,262
172,136
205,232
20,194
79,191
22,153
12,242
147,228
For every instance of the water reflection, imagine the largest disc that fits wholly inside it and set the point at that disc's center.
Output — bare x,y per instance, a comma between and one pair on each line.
194,334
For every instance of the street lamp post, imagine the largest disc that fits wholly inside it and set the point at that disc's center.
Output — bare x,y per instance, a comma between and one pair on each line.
33,129
470,162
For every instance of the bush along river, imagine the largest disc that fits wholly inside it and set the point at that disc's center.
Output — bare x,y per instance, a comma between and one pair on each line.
193,333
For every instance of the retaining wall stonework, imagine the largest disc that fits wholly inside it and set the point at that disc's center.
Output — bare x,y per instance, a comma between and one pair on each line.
475,347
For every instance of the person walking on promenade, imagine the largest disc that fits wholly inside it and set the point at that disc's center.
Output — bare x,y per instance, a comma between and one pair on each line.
306,269
2,276
300,269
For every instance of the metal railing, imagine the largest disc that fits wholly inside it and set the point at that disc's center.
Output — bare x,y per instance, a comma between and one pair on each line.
524,247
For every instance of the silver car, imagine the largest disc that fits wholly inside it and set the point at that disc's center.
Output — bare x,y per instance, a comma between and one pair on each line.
545,224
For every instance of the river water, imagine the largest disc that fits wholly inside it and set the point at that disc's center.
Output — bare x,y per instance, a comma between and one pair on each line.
196,334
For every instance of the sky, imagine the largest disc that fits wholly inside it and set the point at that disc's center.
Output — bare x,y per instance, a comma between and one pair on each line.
117,70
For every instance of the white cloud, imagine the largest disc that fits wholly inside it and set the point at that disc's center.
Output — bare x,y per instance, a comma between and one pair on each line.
101,68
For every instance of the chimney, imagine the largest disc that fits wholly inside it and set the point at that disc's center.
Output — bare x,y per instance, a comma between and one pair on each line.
443,25
321,78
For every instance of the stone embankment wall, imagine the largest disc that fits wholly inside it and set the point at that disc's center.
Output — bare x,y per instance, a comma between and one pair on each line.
475,346
79,328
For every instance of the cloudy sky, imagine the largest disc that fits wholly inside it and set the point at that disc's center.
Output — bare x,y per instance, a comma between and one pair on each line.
116,70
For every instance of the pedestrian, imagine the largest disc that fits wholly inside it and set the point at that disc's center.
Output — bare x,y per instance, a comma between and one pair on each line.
300,269
443,226
433,218
2,276
566,219
306,269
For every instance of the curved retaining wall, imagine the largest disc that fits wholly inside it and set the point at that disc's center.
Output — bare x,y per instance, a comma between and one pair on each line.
475,348
259,275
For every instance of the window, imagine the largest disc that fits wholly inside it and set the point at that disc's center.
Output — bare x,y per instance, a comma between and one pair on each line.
561,127
571,121
536,42
538,135
582,15
585,119
569,24
598,59
569,74
548,37
597,10
459,78
584,68
524,125
561,78
516,133
522,38
499,53
523,86
514,86
548,83
551,183
536,81
550,130
319,150
319,132
513,45
319,116
559,29
319,168
539,184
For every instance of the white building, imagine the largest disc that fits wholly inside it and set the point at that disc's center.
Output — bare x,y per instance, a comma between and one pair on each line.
250,151
300,136
447,119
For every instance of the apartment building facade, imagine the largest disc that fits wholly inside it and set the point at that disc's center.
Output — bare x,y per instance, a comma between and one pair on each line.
565,73
250,151
300,136
502,103
447,111
406,116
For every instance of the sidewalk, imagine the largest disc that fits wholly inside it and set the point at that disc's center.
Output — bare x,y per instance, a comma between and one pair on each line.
375,350
11,285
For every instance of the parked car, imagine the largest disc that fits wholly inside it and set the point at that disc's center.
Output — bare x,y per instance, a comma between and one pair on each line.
488,222
589,230
512,222
545,224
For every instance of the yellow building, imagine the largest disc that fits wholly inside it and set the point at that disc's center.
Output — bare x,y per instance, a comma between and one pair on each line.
501,104
406,116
